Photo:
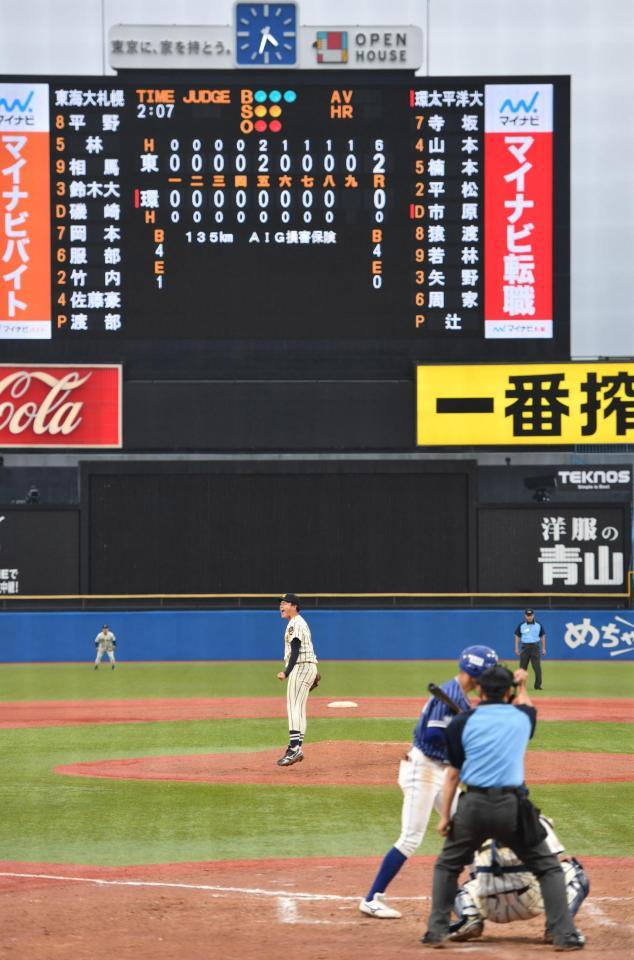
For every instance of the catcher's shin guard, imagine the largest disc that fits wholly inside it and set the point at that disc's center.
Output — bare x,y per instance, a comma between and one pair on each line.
577,884
465,906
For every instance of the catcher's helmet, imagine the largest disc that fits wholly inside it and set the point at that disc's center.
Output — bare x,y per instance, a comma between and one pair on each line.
474,660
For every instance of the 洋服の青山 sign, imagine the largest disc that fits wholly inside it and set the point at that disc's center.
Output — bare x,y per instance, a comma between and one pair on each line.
50,405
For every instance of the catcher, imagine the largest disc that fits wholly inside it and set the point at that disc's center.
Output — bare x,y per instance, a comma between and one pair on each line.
502,889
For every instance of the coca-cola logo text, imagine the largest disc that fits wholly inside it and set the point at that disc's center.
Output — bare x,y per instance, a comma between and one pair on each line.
53,414
56,405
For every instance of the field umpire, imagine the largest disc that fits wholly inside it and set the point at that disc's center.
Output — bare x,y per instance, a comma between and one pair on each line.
486,749
529,634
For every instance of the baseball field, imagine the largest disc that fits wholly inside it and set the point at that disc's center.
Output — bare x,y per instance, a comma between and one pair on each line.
143,813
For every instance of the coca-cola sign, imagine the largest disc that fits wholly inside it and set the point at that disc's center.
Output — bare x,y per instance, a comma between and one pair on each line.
60,406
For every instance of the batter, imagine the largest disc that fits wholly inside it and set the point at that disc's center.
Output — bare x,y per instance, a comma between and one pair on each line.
422,774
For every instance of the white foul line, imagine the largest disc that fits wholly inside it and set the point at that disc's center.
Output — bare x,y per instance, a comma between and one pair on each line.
253,891
214,888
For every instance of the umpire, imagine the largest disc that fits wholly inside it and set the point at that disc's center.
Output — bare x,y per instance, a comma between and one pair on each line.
529,634
486,748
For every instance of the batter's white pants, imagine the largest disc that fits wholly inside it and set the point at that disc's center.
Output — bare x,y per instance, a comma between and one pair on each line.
299,683
421,780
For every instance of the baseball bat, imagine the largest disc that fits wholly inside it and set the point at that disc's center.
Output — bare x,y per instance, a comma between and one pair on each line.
441,695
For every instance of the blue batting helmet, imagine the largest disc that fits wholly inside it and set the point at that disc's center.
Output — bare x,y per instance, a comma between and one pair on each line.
475,660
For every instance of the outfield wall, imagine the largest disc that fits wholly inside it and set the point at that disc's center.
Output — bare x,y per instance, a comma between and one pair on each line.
338,635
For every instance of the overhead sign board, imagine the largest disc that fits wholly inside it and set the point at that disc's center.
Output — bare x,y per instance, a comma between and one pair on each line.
525,404
264,41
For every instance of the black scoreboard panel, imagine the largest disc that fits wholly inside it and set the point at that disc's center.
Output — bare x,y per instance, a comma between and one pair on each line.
223,527
345,216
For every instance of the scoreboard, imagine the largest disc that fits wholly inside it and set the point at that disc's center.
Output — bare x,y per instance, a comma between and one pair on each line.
427,217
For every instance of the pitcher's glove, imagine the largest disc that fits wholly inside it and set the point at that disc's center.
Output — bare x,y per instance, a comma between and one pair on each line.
315,682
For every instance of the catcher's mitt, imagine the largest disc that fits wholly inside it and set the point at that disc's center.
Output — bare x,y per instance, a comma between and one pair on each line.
315,682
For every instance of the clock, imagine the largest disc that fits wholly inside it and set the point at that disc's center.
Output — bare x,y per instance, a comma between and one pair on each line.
266,34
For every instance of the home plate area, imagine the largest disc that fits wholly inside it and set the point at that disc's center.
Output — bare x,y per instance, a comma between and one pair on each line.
263,909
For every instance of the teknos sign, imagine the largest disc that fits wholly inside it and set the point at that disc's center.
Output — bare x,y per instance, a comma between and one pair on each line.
50,405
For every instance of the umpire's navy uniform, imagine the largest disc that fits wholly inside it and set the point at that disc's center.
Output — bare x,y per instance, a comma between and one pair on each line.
487,746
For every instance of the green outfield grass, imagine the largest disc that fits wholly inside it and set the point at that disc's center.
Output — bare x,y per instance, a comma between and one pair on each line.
390,678
46,817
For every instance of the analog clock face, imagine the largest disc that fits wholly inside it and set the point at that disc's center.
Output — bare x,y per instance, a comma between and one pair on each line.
266,34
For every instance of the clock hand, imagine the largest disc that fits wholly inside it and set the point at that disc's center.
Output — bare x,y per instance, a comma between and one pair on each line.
265,36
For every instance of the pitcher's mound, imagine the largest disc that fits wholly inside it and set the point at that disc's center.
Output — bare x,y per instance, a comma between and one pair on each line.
339,763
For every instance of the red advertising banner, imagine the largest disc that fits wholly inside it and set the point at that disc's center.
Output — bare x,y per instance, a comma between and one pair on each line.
518,249
51,405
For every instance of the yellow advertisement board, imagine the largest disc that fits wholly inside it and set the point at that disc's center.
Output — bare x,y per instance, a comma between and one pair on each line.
525,404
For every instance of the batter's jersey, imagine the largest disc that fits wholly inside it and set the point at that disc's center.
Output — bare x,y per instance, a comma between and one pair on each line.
298,629
429,733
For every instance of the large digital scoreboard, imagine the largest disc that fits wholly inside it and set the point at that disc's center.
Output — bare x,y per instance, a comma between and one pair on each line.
427,216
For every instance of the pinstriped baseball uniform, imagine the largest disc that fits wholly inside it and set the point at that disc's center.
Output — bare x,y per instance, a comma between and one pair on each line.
303,673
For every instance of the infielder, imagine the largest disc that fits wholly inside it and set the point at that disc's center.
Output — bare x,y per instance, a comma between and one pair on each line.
300,668
502,889
422,773
105,642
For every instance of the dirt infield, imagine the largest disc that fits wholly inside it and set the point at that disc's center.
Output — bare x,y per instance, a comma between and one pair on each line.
338,763
265,909
259,910
51,713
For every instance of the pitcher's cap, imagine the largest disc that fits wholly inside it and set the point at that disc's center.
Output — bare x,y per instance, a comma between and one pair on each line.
290,598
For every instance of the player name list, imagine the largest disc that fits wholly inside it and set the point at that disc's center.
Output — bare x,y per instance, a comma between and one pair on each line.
230,210
250,167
